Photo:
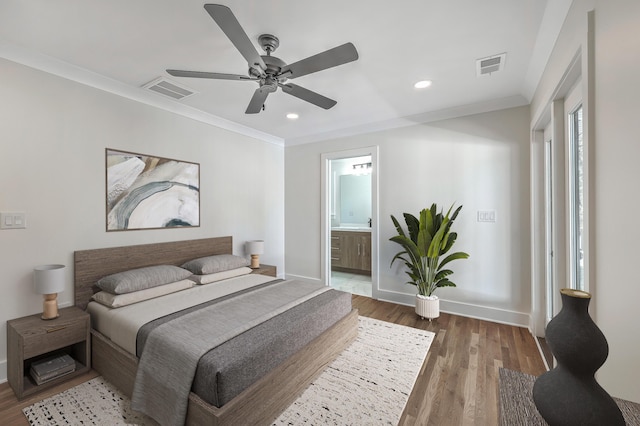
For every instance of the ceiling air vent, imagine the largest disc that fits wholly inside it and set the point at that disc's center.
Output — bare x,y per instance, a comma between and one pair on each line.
490,64
168,88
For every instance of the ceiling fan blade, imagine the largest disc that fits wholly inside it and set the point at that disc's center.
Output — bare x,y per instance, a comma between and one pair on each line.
327,59
214,75
257,101
308,95
228,23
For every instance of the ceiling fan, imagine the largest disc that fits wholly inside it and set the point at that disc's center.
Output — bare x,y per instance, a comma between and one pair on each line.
271,72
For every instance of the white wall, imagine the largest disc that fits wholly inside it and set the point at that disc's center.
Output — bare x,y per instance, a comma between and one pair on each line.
480,161
617,151
614,153
53,133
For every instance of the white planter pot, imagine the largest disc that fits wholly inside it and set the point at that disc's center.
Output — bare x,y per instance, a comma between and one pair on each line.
427,306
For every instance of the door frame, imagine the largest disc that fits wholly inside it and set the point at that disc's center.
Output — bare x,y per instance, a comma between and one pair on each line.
325,217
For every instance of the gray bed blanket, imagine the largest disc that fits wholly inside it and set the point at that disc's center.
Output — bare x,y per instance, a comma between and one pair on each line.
172,351
227,370
224,372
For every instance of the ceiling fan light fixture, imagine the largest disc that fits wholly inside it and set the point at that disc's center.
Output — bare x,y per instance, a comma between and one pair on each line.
423,84
293,116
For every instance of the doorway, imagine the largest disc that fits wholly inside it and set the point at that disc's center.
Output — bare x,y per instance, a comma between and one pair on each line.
349,221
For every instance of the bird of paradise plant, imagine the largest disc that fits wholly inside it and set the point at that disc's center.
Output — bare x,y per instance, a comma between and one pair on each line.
430,237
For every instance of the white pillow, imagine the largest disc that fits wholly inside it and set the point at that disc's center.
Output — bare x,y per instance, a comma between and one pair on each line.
118,300
219,276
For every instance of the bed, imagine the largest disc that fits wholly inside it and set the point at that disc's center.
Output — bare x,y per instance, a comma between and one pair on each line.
258,403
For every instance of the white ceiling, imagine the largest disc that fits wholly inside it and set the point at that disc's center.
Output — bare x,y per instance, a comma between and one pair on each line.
119,45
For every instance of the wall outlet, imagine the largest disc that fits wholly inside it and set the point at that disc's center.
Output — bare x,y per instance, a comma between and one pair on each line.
486,215
15,220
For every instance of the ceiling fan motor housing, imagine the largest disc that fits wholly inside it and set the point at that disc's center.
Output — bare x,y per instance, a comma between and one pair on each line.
274,66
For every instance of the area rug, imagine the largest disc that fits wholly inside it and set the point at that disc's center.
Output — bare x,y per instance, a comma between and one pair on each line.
369,383
518,409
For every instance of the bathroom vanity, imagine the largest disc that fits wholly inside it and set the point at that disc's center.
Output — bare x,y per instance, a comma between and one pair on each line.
351,250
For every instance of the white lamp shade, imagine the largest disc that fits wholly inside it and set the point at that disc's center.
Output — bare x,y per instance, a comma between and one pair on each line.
48,279
255,247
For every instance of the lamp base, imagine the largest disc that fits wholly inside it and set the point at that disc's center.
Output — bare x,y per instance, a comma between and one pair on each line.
50,307
49,319
255,261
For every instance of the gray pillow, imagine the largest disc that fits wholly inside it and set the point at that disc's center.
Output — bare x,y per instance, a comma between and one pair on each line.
217,263
142,278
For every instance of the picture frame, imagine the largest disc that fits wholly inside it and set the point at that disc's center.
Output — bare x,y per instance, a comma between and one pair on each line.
150,192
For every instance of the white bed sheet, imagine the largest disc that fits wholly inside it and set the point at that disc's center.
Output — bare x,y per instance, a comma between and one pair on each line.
121,325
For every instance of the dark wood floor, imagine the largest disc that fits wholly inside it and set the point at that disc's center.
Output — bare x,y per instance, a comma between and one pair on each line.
458,382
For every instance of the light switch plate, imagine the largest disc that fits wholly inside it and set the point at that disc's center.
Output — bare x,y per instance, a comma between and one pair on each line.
486,215
13,220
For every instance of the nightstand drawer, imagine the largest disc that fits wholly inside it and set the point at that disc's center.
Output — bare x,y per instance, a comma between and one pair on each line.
46,339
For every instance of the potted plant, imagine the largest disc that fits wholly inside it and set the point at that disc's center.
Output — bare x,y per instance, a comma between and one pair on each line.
429,239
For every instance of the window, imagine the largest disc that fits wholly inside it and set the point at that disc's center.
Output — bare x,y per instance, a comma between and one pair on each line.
576,200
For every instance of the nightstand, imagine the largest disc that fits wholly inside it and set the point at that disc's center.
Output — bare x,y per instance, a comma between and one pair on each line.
31,338
269,270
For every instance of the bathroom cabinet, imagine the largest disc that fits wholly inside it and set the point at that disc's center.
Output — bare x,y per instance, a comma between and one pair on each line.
351,251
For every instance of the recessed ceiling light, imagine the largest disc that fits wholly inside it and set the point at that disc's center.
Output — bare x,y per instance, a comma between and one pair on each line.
422,84
292,116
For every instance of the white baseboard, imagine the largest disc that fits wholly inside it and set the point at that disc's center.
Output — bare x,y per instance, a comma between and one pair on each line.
501,316
302,278
544,358
3,371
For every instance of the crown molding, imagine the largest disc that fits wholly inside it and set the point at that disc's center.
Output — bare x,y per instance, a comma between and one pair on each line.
427,117
83,76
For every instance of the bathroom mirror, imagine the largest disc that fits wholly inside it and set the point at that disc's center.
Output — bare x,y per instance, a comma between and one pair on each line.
355,199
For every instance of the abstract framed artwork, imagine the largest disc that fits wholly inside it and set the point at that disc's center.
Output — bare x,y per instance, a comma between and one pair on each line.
147,192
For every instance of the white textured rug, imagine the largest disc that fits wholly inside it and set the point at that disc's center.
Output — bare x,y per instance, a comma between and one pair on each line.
95,402
368,384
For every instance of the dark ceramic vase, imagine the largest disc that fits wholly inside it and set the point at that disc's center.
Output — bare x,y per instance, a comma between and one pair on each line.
569,394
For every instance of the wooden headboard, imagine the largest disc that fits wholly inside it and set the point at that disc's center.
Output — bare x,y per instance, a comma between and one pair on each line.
91,265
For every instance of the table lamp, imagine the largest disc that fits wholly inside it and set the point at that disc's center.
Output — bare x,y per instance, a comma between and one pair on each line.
255,248
49,281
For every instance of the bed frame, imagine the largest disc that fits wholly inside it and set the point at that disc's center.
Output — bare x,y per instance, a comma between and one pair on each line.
263,401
